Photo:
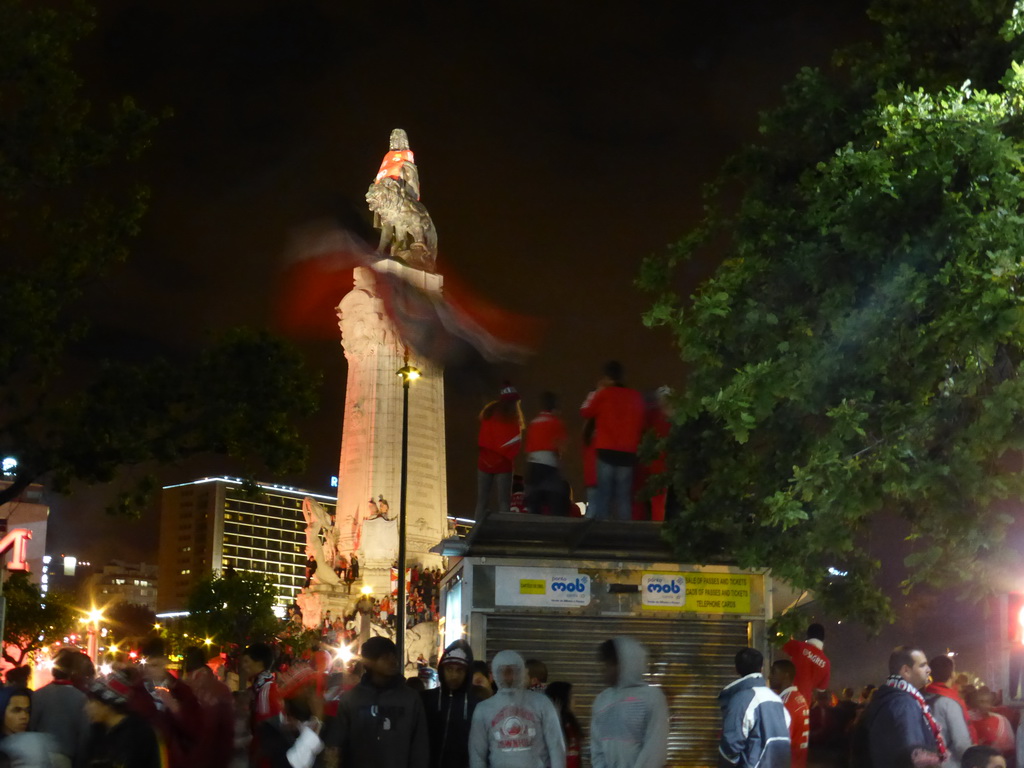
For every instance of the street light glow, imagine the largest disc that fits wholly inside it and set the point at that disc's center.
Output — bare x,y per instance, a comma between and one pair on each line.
409,373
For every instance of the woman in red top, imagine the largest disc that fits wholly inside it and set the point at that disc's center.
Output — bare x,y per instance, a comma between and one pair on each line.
560,694
498,443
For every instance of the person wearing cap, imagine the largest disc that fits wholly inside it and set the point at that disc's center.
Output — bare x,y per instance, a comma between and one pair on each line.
618,413
380,722
450,708
122,738
498,444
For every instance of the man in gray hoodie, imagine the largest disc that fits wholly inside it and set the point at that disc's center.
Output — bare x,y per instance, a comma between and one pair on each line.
515,728
629,721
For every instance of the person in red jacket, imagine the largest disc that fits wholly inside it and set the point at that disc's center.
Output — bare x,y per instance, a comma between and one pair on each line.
213,741
618,414
257,664
545,441
498,443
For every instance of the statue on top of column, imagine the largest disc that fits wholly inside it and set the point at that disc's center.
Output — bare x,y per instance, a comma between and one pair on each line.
406,230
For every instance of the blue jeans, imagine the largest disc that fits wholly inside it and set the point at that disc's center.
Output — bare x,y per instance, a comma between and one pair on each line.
613,496
484,482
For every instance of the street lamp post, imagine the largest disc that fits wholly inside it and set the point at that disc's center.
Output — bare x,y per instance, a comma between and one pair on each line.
408,374
93,619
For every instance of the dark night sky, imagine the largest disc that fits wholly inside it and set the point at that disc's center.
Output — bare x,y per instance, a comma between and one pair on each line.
558,144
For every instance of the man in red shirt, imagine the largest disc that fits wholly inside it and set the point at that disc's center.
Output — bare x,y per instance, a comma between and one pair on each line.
545,441
618,414
781,680
812,665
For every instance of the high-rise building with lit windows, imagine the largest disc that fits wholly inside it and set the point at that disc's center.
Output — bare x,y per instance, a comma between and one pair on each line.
216,523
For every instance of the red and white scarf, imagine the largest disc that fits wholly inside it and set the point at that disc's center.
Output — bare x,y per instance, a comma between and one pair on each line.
897,682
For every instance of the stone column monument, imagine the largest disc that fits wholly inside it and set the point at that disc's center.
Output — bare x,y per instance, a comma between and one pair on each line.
370,463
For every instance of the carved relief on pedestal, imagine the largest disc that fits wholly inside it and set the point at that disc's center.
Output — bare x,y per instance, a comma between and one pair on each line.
365,328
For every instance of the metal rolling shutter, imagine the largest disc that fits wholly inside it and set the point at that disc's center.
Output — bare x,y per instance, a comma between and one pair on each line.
691,659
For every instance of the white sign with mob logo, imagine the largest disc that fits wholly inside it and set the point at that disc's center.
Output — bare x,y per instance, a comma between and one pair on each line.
663,590
541,587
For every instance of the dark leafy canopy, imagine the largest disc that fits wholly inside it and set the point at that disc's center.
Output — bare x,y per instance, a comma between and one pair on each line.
237,608
65,222
858,353
29,617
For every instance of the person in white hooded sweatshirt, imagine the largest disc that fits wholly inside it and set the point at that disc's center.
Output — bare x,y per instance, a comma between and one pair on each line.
629,721
515,728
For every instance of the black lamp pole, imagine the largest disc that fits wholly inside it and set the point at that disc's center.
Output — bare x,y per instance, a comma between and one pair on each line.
408,373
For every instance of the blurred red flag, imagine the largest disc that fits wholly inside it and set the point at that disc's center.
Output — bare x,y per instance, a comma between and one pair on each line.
447,328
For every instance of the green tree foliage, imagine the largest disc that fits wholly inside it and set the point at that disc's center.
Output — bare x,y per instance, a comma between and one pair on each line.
858,354
65,222
29,617
237,608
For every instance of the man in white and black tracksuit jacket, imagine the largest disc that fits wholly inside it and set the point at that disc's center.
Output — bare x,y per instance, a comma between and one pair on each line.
755,723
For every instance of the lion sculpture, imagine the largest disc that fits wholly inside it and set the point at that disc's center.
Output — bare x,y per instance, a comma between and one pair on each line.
406,229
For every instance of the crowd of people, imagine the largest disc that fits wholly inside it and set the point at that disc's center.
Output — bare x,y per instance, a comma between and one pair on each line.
421,605
616,420
505,714
923,714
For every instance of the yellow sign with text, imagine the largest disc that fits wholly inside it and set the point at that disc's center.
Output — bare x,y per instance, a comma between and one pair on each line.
696,592
718,592
532,587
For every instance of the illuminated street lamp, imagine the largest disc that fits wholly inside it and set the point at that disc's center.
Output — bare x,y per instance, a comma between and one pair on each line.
408,373
93,619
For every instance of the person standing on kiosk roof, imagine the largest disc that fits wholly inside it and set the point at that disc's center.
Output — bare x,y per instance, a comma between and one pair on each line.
813,668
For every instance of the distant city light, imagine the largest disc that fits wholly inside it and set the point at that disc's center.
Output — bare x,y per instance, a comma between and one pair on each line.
334,481
265,486
9,465
836,572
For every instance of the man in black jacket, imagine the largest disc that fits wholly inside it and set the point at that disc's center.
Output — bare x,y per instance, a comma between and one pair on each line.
380,722
898,729
450,708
